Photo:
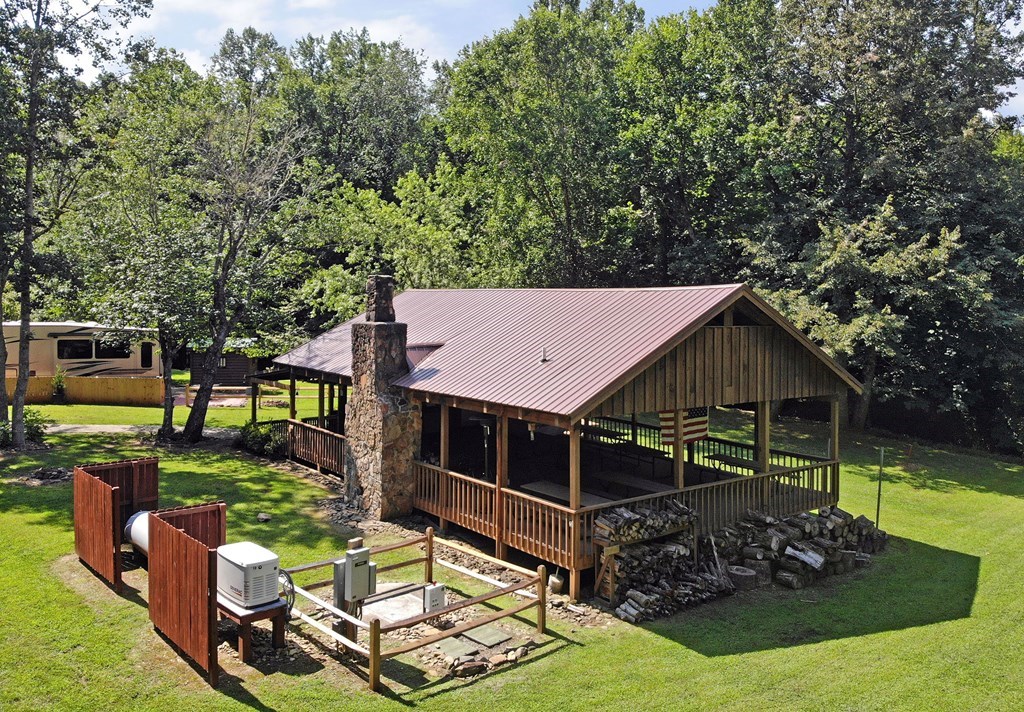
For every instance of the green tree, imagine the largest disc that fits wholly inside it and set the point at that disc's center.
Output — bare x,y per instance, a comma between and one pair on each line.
139,209
46,98
362,104
534,109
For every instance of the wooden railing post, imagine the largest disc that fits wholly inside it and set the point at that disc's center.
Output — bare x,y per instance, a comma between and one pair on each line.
374,672
428,565
542,598
254,390
500,480
444,482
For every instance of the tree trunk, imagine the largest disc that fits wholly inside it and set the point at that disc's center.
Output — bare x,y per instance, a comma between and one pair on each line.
863,405
200,404
4,400
27,257
167,357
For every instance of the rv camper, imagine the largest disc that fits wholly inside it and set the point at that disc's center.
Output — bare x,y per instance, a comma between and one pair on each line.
84,349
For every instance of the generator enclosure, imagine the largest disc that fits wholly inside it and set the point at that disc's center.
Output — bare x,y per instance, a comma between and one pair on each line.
247,574
433,597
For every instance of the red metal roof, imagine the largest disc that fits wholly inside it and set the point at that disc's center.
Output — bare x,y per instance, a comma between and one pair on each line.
493,340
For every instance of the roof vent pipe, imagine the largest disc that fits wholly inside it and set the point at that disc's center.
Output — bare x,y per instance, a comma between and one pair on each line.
544,355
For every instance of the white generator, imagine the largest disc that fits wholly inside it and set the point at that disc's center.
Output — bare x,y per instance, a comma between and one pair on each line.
247,574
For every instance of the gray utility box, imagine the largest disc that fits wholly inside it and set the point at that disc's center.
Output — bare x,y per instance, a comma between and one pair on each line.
355,576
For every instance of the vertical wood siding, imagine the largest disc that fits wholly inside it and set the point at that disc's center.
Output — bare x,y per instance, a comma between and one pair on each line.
723,365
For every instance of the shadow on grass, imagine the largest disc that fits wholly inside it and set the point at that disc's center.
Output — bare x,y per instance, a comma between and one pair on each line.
187,476
913,584
393,670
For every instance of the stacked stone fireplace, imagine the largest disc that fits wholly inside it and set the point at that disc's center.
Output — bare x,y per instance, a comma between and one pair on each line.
382,428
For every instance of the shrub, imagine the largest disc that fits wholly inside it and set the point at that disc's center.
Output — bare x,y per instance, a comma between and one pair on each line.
262,439
35,428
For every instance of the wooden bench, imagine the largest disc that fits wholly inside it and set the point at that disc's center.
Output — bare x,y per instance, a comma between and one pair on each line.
245,617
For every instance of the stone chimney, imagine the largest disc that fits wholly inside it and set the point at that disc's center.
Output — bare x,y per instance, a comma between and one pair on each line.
382,429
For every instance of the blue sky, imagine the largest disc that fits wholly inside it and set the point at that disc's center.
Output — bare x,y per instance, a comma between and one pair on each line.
438,27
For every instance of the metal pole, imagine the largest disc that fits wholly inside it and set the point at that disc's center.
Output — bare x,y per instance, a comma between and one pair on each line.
878,503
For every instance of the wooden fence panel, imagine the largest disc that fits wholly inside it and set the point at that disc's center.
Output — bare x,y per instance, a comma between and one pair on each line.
98,526
93,390
40,389
138,481
183,580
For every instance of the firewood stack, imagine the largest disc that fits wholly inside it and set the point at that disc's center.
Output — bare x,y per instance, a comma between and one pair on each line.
659,578
799,550
620,525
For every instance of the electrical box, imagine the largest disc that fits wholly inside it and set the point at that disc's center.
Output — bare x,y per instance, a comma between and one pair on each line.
433,597
355,576
247,574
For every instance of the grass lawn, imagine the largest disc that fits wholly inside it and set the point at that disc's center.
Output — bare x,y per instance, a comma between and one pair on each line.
936,622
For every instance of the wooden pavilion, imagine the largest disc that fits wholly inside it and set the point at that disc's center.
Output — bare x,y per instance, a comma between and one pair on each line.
536,409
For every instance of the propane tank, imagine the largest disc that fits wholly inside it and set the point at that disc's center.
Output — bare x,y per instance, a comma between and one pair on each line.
136,531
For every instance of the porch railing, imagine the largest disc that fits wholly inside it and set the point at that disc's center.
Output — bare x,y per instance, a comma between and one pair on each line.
460,499
781,493
705,451
564,537
314,445
648,436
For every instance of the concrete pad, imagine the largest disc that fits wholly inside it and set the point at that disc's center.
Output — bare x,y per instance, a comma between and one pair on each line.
455,648
488,635
394,610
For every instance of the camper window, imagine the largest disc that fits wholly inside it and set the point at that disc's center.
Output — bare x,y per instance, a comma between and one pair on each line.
106,351
147,355
74,348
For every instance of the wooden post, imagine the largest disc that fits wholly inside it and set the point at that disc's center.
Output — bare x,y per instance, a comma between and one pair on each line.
575,485
632,427
500,481
574,468
833,445
291,397
342,402
374,672
833,448
428,565
575,576
443,455
320,403
330,399
443,460
678,461
763,435
254,391
542,598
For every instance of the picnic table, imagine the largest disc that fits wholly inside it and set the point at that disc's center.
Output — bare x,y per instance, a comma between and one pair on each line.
617,477
560,493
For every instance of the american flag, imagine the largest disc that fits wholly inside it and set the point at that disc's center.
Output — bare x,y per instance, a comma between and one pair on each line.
695,426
